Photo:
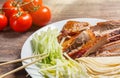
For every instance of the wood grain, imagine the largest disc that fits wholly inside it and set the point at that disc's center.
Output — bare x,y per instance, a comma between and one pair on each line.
12,42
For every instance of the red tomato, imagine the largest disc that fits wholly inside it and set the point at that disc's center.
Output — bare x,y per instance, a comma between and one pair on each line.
3,21
41,16
29,5
21,23
9,7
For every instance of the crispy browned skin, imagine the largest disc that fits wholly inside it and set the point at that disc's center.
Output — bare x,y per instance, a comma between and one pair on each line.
81,39
90,47
68,42
70,32
78,52
71,28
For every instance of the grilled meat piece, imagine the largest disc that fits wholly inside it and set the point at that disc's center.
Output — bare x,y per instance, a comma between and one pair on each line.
108,25
90,47
81,39
77,40
103,28
109,46
72,28
115,32
109,49
99,42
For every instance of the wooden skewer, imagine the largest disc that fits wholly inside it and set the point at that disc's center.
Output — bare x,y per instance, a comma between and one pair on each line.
22,67
19,60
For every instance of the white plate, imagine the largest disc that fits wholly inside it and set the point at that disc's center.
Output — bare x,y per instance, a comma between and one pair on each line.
27,50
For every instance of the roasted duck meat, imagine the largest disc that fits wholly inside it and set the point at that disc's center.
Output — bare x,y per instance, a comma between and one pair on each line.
81,39
114,38
78,40
90,47
115,32
107,27
72,28
110,49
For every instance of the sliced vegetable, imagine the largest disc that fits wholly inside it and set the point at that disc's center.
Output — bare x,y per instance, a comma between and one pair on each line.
55,65
47,42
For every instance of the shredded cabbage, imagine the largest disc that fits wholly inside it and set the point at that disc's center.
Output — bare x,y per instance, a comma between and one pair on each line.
55,65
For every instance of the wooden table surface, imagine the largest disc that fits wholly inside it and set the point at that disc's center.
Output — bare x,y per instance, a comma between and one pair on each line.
12,42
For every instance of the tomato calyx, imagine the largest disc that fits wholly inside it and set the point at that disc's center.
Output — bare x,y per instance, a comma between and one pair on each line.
19,13
31,5
10,7
14,3
35,8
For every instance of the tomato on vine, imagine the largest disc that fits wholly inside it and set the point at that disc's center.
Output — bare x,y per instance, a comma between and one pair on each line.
10,7
21,22
41,16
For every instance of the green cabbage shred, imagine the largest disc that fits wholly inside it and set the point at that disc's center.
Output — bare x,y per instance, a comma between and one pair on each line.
55,65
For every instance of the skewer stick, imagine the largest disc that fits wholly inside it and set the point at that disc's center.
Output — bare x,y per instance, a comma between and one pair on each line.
22,67
19,60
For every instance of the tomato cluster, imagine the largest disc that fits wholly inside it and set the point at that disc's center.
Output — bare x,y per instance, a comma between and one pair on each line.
21,15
